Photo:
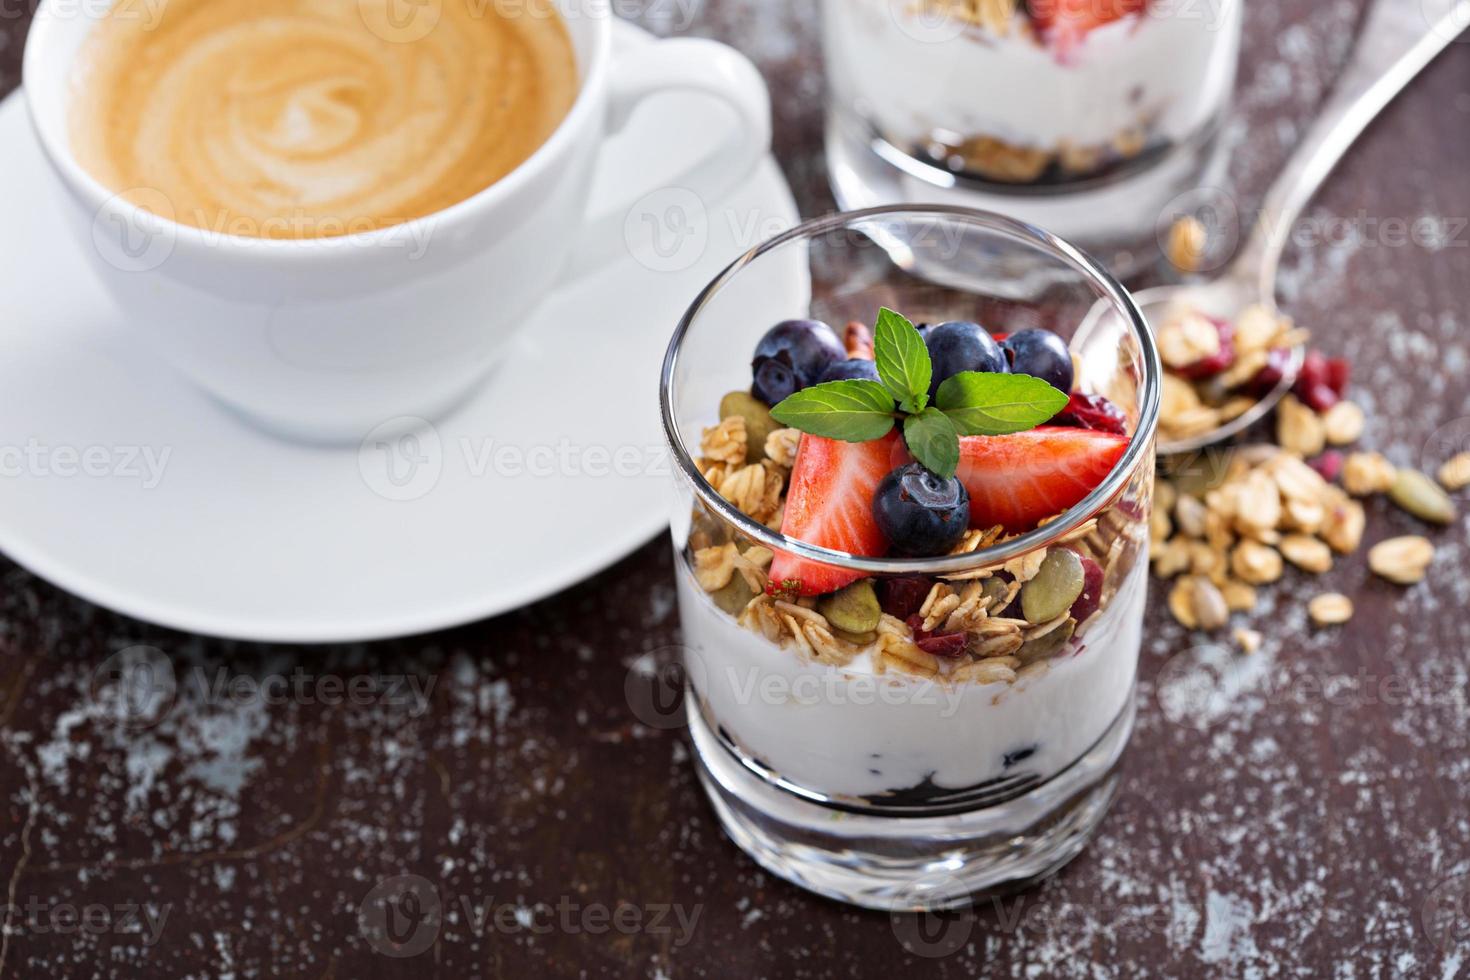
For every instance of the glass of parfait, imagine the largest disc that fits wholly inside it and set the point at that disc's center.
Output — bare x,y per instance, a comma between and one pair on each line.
889,730
1087,117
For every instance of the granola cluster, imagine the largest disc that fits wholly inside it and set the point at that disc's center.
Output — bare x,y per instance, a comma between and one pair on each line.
1012,163
1215,371
1222,540
973,627
757,489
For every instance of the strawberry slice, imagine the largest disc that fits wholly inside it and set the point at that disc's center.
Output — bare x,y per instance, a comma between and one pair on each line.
1065,23
1020,479
830,503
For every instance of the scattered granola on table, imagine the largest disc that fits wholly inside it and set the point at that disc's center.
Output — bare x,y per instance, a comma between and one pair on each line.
1296,503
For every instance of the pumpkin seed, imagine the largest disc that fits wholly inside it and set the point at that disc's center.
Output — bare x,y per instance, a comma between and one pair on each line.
735,596
1048,644
1054,588
854,609
1422,497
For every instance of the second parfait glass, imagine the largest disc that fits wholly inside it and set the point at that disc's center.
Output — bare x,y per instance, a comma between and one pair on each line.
1096,119
861,765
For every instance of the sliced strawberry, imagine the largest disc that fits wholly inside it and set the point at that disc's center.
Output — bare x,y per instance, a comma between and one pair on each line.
830,503
1020,479
1065,22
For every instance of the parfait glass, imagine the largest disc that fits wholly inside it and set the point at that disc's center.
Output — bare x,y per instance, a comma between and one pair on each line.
860,765
1097,119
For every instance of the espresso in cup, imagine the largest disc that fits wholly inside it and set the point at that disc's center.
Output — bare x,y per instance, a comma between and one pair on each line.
314,118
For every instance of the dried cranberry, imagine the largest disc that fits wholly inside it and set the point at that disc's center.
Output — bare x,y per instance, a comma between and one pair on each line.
1314,368
901,597
1220,361
1319,395
916,623
1092,412
1091,596
1268,377
1329,464
1339,373
943,644
1131,509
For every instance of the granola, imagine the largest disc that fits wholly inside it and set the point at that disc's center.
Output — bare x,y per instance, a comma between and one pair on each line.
988,647
991,158
992,623
1215,370
1330,609
1272,507
1401,560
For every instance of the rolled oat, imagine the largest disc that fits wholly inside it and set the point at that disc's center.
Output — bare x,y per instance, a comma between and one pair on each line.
1343,423
1367,473
1455,473
1330,609
1401,560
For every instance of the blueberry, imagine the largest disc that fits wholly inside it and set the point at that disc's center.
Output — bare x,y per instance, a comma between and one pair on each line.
852,369
791,356
921,513
956,347
1041,354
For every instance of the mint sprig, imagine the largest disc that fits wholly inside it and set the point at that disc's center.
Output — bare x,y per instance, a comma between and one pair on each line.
852,411
984,404
971,403
902,360
933,440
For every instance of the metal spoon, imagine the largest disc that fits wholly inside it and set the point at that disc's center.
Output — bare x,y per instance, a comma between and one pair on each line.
1398,38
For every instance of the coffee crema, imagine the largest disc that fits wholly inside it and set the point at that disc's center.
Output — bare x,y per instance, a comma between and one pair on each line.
314,118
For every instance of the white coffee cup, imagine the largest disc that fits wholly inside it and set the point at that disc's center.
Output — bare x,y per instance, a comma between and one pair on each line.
326,338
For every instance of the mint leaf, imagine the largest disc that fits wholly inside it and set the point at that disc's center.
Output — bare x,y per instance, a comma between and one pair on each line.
902,360
982,404
933,441
852,411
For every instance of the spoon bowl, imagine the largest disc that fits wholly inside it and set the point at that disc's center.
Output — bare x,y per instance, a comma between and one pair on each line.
1397,40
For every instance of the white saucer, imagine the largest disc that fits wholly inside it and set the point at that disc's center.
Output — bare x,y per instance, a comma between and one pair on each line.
248,537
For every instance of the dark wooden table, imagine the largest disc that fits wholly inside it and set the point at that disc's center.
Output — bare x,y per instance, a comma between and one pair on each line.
1310,826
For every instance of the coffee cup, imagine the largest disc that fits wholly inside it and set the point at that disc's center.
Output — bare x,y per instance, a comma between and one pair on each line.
324,338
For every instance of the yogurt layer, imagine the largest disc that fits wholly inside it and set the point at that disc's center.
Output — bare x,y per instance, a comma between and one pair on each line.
851,732
915,78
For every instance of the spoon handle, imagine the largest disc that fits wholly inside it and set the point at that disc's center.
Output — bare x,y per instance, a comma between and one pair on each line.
1398,38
